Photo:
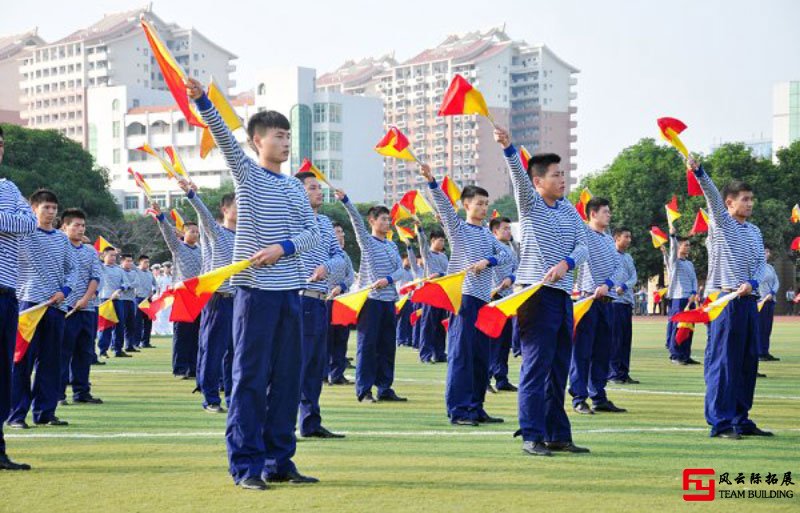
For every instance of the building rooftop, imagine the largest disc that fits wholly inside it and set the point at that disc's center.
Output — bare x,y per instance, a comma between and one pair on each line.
12,44
240,100
357,72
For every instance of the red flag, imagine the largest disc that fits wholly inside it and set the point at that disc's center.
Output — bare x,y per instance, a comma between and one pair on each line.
795,244
462,98
415,316
692,185
700,223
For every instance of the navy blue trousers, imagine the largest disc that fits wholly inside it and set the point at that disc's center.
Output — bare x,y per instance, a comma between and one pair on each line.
416,334
9,317
500,348
338,337
731,364
77,353
516,346
467,363
215,339
267,361
765,316
132,326
677,351
138,325
432,334
545,334
185,339
43,355
376,348
404,325
621,339
315,357
115,335
588,370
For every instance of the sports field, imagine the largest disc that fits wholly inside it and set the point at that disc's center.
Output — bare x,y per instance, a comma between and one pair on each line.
151,447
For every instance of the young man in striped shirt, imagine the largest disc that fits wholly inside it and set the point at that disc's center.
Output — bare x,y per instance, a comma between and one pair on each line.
113,282
274,225
553,243
80,328
381,266
768,290
324,264
403,337
599,277
187,256
338,336
622,314
146,286
474,250
216,322
17,220
731,357
132,328
682,291
47,274
432,335
502,281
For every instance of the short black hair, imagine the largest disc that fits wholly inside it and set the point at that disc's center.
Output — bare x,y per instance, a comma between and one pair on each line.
595,204
682,239
767,246
142,257
72,213
539,164
337,224
227,200
304,175
470,191
1,132
262,121
404,254
734,188
187,224
377,211
108,249
437,233
619,230
126,255
43,196
497,221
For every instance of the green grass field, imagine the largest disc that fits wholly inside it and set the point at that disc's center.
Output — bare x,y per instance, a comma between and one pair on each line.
152,448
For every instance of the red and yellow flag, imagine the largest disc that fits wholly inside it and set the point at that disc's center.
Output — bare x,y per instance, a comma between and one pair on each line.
658,236
685,330
308,167
415,316
495,214
178,218
706,313
492,318
462,98
579,309
346,307
583,200
672,211
177,163
700,223
659,294
101,244
443,292
415,203
796,213
451,190
795,246
174,76
395,144
670,128
400,303
145,307
164,164
106,315
28,321
692,185
524,156
192,295
405,234
399,212
141,183
226,112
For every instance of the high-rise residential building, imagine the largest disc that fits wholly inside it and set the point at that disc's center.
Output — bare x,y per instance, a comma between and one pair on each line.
332,129
13,47
528,89
785,115
54,77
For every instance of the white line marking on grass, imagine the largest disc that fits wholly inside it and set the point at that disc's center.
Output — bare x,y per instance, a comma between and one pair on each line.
378,434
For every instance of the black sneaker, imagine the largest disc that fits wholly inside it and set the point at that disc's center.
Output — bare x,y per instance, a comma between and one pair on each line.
55,421
760,375
583,408
368,397
536,449
293,477
692,361
88,400
214,408
507,387
464,422
566,447
608,407
392,397
252,483
98,362
63,402
757,432
617,381
18,424
122,354
630,381
7,464
131,350
490,420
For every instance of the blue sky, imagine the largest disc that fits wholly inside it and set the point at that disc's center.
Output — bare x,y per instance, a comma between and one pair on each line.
710,63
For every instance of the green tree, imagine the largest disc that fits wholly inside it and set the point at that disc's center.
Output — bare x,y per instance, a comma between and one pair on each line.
506,206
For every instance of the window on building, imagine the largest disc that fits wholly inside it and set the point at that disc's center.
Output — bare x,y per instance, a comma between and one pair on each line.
320,112
335,113
262,89
115,129
131,203
320,141
335,169
116,155
335,141
115,105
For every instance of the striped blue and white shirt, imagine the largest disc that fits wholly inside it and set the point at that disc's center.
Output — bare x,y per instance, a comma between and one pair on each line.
46,265
272,209
217,241
88,269
346,279
507,270
417,271
187,260
682,278
435,262
713,283
469,244
628,277
549,234
132,279
112,279
770,284
604,265
740,245
145,285
16,220
327,253
379,257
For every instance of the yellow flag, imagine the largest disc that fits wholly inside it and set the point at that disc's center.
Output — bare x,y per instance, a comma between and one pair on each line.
579,309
